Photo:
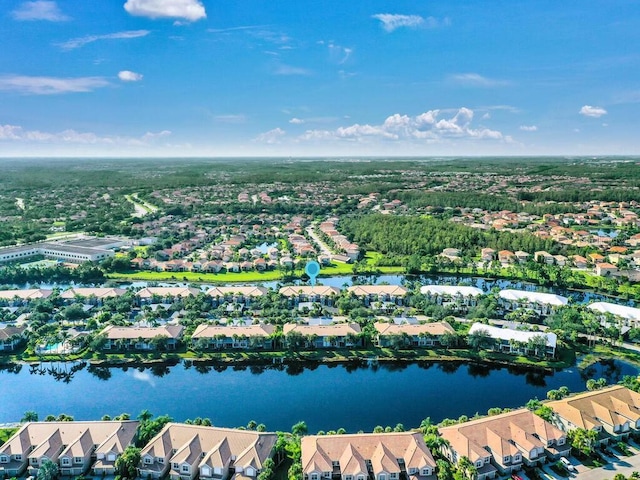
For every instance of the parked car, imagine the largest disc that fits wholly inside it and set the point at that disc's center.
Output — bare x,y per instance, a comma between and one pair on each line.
515,477
567,464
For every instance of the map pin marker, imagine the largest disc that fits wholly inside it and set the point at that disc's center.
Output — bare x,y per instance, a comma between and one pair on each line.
312,269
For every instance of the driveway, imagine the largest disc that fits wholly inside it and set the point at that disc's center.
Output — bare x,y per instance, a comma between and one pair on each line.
624,465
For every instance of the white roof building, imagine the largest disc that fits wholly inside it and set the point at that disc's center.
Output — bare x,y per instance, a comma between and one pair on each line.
534,297
632,315
465,291
508,334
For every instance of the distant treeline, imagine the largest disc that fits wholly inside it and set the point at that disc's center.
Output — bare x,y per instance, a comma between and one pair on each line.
404,236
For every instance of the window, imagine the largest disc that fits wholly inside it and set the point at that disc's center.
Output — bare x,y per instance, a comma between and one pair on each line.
18,457
561,441
161,461
426,472
516,458
382,476
185,468
34,461
335,463
394,476
413,471
360,477
66,461
314,476
348,477
479,463
148,460
176,466
327,475
4,459
506,459
77,460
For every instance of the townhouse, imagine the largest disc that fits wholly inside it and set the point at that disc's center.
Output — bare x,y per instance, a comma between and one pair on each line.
367,456
221,337
11,336
412,335
501,444
613,412
238,294
523,342
321,294
16,298
324,336
149,295
393,294
185,452
541,303
141,338
459,297
629,315
93,296
74,446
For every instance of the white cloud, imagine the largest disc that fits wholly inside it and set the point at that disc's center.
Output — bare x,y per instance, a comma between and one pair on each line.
477,80
392,21
430,126
271,137
14,133
39,10
129,76
50,85
529,128
296,121
486,116
82,41
595,112
339,54
190,10
290,70
231,118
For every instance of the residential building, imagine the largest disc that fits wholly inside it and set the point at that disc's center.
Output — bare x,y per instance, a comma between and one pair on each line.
185,452
325,336
413,335
224,337
74,446
94,296
367,456
460,297
501,444
519,341
604,269
613,412
379,293
11,336
541,303
141,338
321,294
630,315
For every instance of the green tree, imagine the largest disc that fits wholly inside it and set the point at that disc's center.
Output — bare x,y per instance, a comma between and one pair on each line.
583,440
300,429
30,416
48,471
127,463
480,340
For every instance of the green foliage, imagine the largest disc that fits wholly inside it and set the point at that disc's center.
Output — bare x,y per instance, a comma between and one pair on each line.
150,427
583,440
48,471
127,464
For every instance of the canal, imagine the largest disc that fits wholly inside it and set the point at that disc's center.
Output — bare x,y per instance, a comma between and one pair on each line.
327,397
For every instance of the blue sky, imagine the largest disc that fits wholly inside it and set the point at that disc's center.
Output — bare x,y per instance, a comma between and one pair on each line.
298,78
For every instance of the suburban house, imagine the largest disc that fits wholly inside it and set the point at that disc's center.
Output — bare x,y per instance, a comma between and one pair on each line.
522,342
604,269
460,297
500,444
74,446
141,338
613,412
541,303
321,294
239,294
630,315
165,294
367,456
223,337
185,452
93,296
11,336
325,336
379,293
487,254
16,298
413,335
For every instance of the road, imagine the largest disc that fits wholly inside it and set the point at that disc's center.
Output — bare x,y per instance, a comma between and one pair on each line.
324,248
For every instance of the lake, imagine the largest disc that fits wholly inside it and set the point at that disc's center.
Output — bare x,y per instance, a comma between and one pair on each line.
355,397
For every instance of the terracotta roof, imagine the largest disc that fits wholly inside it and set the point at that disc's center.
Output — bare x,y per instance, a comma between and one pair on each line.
363,290
337,329
28,294
92,292
434,328
247,291
211,331
352,452
295,290
114,333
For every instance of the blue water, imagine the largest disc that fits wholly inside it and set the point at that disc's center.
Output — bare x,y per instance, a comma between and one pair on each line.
325,396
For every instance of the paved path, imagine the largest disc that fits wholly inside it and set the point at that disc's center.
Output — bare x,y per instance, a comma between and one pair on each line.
624,465
323,246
